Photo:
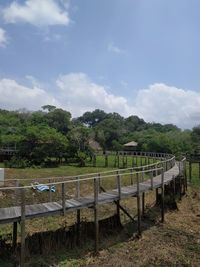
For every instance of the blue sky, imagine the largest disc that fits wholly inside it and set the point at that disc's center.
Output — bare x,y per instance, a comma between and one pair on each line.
137,57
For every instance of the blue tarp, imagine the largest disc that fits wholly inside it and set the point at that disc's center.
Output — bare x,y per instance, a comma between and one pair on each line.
43,187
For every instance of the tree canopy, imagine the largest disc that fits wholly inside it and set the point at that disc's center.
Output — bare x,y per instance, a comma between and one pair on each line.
51,133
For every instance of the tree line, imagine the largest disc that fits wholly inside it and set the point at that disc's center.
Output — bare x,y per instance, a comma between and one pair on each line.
50,135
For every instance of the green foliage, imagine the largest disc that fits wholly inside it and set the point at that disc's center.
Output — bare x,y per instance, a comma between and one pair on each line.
50,135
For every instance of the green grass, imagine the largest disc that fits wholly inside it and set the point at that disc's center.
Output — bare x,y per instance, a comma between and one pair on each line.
195,175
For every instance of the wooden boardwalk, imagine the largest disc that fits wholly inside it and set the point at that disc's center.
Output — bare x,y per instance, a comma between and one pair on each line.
13,214
159,174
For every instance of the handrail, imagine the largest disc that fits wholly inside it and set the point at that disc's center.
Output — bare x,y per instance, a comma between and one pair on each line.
92,174
72,179
81,180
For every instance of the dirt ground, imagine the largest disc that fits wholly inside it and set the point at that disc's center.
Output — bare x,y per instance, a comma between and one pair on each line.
174,243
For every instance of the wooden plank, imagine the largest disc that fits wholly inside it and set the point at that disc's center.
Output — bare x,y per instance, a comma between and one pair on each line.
12,214
63,199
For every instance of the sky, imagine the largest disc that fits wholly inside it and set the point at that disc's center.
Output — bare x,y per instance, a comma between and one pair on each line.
134,57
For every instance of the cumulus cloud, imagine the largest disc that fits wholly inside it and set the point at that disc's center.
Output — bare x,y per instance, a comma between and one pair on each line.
115,49
3,38
77,93
39,13
15,96
80,94
168,104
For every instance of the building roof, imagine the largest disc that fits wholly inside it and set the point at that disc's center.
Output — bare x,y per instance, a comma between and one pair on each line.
132,143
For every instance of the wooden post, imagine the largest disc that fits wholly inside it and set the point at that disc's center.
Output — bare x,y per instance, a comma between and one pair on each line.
151,174
131,176
190,171
132,161
115,161
119,194
185,172
94,160
163,197
138,206
63,199
50,193
174,186
106,160
145,159
119,185
16,192
142,174
143,203
140,160
180,187
22,224
156,169
123,161
78,214
96,193
118,160
99,181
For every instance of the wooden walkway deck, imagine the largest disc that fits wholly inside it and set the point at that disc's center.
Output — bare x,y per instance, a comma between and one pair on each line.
13,214
151,176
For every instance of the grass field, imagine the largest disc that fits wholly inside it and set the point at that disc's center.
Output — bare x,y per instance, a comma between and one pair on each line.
174,243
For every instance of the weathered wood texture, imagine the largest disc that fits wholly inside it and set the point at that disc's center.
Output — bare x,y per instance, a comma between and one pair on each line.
13,214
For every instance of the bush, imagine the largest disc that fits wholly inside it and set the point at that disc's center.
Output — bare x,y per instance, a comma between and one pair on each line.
17,163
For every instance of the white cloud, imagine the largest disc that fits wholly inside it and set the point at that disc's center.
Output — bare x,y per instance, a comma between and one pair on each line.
16,96
3,38
168,104
39,13
79,94
115,49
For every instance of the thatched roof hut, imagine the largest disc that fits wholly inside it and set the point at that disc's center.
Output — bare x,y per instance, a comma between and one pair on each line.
131,145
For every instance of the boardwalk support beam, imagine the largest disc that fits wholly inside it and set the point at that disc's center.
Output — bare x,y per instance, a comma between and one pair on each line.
78,214
138,206
96,193
120,207
22,224
162,198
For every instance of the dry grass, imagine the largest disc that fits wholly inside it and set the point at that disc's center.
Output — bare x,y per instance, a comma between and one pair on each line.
174,243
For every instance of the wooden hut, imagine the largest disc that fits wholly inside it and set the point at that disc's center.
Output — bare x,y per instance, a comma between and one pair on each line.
131,146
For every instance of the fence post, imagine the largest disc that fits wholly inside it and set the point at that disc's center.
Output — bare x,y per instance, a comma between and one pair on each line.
185,173
50,193
119,184
163,196
63,199
96,193
131,176
78,214
22,224
151,174
190,171
138,205
16,192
